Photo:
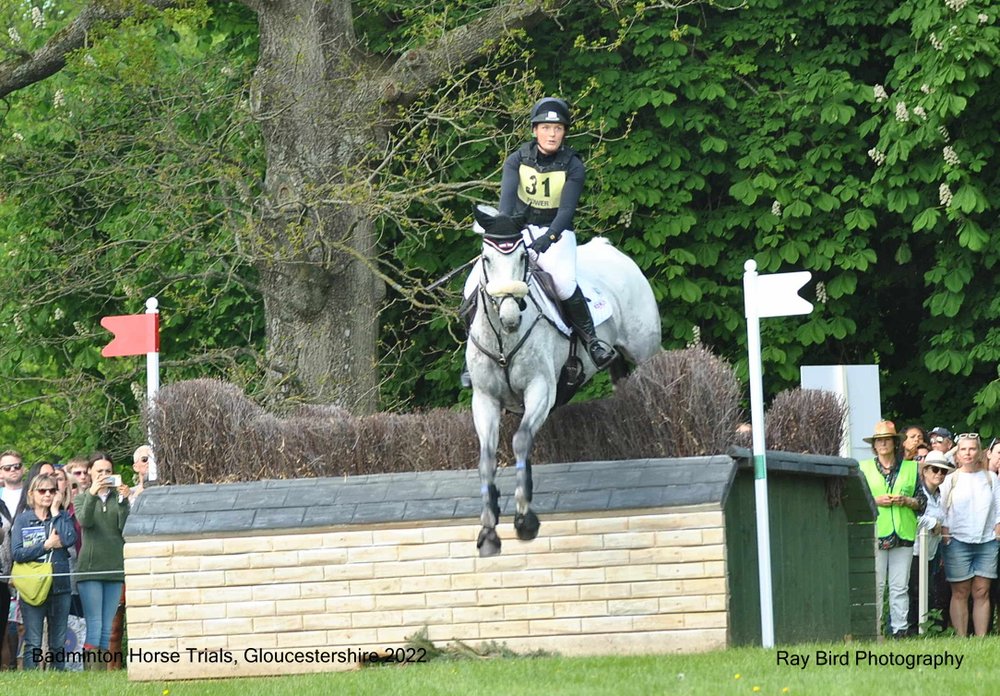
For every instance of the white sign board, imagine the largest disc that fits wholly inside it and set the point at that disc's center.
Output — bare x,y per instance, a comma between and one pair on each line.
858,386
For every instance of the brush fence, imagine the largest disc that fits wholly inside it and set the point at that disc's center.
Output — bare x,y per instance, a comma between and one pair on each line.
289,576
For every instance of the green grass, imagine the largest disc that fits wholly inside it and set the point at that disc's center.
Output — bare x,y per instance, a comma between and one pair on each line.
736,671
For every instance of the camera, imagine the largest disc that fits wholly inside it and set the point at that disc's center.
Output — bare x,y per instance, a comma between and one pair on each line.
114,480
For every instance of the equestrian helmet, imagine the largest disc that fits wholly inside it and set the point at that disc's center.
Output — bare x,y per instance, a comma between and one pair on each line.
550,110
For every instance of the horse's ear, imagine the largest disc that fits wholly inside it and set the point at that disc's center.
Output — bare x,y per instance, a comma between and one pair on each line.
485,215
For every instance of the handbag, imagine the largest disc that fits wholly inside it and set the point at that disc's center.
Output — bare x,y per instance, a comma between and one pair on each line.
33,580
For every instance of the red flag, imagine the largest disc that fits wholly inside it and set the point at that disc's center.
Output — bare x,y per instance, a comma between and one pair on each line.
135,334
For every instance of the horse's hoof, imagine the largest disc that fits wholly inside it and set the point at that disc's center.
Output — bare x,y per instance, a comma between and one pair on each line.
526,525
488,542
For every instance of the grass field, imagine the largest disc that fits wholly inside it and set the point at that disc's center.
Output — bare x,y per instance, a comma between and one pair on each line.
736,671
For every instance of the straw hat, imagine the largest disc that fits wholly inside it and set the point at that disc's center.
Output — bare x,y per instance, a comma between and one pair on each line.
884,429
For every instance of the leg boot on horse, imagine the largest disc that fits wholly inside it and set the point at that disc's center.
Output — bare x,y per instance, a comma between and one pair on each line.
579,316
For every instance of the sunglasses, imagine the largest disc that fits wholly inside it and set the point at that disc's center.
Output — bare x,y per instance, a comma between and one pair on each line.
920,458
12,467
79,472
937,470
968,436
46,491
937,440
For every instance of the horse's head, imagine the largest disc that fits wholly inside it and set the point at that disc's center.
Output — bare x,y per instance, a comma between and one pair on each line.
505,264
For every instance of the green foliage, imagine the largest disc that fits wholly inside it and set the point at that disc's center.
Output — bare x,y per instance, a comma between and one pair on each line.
851,139
127,175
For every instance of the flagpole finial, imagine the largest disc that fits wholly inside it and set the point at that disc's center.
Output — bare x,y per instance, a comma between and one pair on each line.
750,266
152,304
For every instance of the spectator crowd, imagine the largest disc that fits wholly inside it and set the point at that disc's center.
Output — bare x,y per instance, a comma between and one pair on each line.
70,516
943,487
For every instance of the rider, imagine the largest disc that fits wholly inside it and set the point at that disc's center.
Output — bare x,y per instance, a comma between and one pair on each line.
542,181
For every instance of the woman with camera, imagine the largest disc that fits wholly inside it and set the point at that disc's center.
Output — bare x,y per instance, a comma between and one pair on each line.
44,532
101,512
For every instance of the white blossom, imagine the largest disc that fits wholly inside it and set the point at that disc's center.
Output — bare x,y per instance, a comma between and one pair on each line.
37,19
137,391
919,111
58,313
776,209
956,5
14,36
983,19
950,156
80,328
695,337
821,295
945,195
925,88
89,60
880,94
944,133
18,323
18,137
877,157
58,99
936,42
902,115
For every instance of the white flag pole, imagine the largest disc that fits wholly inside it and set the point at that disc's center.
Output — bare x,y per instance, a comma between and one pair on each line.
759,458
152,384
774,295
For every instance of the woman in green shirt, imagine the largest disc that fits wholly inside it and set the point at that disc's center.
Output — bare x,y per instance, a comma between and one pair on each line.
101,511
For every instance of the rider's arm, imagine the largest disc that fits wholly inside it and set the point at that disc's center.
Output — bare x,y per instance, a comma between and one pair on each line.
569,199
509,183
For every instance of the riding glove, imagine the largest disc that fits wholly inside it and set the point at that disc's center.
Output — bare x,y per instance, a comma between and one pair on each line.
544,242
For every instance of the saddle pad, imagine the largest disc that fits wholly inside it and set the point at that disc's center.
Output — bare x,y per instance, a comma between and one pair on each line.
600,308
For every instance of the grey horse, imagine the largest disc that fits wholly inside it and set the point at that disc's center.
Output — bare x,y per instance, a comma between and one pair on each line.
515,355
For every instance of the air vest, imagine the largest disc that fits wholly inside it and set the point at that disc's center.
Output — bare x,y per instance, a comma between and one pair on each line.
899,519
540,185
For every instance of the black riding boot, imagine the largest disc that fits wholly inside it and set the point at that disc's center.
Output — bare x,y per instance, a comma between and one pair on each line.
579,316
466,312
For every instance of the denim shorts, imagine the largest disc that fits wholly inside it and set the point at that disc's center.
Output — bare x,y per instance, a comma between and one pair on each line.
963,561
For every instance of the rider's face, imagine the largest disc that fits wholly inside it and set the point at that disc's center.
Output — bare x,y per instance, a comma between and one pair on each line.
550,137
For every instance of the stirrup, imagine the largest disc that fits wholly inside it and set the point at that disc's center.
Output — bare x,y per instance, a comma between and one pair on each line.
609,351
466,378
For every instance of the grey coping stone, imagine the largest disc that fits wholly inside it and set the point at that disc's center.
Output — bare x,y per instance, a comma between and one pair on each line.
598,486
379,512
278,518
328,516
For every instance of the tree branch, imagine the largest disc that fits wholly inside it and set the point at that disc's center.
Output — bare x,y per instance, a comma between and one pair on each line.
420,68
51,58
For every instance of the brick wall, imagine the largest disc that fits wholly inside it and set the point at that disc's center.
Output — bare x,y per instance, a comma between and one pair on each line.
644,581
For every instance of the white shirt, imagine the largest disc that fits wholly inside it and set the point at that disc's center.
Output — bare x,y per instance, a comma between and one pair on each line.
972,505
933,514
11,497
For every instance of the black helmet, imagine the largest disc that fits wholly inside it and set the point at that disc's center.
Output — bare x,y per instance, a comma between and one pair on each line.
550,110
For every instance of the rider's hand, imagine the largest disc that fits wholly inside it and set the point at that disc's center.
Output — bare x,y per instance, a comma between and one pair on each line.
544,242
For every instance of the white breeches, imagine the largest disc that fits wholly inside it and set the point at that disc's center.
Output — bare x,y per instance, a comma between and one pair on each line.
559,261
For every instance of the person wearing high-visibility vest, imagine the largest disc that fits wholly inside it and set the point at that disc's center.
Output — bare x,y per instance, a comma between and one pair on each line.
893,482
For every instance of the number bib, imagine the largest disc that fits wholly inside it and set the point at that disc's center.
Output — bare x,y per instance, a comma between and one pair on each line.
541,191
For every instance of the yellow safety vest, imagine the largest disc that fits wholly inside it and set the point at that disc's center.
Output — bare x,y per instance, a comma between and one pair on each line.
899,519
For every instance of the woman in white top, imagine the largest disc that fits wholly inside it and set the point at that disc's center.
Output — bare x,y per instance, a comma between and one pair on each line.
971,499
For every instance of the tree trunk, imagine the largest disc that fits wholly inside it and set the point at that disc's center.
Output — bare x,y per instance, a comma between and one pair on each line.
316,240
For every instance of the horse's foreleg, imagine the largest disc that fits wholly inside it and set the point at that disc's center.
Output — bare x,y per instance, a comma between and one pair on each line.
538,400
486,416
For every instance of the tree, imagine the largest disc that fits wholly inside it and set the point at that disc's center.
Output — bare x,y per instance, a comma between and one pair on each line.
325,103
